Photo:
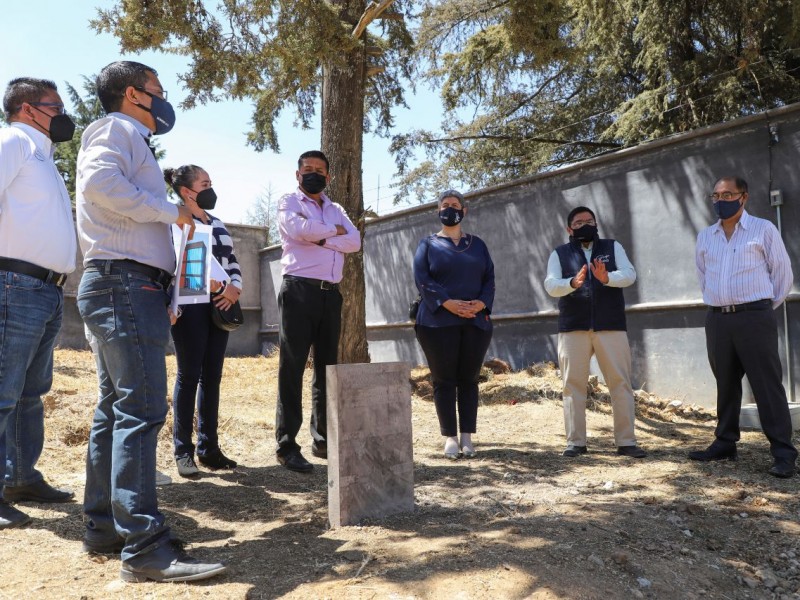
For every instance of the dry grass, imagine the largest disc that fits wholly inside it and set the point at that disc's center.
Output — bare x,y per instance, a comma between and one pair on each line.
518,522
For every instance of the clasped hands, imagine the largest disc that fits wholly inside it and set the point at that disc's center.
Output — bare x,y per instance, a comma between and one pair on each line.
466,309
598,272
228,297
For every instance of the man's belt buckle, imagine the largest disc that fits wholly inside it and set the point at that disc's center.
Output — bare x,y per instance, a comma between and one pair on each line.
728,309
326,285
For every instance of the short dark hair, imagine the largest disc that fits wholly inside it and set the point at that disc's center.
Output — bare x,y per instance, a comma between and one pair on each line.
183,176
450,194
117,77
577,210
313,154
741,184
25,89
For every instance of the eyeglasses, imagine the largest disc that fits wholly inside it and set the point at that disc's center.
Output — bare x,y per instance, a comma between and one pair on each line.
725,196
160,93
579,224
60,109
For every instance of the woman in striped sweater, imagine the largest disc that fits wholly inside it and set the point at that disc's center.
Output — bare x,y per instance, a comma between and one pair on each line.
199,344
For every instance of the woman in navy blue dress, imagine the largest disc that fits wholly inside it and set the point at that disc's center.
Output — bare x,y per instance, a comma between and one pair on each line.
455,277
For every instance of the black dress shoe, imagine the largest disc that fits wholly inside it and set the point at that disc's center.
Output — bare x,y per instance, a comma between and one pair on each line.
167,563
573,451
714,453
294,461
783,469
216,460
320,449
111,546
41,491
11,517
632,451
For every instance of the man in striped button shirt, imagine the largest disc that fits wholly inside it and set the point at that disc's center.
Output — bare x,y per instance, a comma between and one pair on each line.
744,274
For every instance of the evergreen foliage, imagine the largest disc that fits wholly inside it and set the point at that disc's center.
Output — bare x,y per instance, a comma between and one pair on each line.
269,51
530,85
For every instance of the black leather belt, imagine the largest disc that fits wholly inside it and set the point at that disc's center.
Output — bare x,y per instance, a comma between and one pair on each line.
317,283
158,275
25,268
733,308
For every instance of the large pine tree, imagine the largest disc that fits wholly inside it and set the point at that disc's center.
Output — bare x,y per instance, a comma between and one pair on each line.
529,85
286,54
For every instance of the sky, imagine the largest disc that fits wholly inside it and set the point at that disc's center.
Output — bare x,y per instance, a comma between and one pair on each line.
51,39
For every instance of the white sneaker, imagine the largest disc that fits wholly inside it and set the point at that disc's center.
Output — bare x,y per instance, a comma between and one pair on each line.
186,466
467,449
162,478
451,448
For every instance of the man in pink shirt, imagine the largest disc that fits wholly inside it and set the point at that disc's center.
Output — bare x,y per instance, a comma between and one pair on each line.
315,234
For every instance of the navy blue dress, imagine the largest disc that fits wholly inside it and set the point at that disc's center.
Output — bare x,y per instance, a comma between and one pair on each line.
444,271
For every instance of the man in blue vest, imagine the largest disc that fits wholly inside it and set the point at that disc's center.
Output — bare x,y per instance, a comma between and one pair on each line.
587,276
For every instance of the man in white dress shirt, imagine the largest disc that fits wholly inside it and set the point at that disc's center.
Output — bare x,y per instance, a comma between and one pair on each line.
744,274
587,276
37,250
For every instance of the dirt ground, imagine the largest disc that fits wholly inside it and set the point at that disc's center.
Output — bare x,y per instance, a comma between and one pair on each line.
519,521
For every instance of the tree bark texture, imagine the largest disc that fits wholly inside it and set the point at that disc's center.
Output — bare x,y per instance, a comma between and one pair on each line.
342,143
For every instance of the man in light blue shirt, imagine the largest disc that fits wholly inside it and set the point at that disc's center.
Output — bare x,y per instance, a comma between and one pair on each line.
124,222
744,273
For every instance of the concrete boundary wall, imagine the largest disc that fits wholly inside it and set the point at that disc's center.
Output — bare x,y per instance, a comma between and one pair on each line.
652,198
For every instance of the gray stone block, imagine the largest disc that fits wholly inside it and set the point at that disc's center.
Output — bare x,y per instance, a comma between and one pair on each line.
370,452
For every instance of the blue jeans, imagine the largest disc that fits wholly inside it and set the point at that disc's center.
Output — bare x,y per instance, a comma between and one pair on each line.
30,318
127,324
200,352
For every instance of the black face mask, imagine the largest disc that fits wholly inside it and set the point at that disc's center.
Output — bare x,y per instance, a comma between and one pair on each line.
62,128
586,233
206,199
725,209
451,216
314,183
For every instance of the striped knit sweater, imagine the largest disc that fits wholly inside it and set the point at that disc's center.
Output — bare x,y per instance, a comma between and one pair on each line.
223,250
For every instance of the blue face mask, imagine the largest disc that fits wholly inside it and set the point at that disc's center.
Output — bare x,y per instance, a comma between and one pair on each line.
163,113
725,209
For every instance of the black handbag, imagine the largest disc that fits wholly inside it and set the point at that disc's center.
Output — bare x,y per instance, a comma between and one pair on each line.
229,319
413,308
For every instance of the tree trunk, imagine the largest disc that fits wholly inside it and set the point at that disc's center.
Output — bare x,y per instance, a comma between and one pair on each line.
342,143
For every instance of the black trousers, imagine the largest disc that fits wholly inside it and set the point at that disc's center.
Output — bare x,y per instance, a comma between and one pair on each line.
455,355
310,316
200,352
746,343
